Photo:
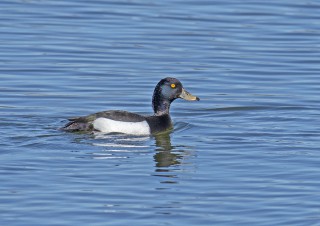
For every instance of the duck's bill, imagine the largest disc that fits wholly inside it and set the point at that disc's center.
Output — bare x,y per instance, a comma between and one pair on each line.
188,96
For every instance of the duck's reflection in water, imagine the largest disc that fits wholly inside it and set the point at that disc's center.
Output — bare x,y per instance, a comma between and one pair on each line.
170,159
164,157
119,146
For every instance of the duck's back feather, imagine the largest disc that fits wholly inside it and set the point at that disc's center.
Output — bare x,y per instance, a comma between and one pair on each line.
123,116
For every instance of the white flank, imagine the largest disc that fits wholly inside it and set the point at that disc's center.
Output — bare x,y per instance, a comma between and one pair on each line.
111,126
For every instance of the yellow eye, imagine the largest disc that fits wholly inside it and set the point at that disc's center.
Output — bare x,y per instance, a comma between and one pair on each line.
173,85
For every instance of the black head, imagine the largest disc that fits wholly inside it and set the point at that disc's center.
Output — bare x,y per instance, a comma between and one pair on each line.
166,91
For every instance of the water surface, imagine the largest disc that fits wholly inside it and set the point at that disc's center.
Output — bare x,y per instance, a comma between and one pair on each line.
246,154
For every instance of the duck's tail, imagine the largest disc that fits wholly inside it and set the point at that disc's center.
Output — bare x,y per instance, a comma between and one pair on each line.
75,125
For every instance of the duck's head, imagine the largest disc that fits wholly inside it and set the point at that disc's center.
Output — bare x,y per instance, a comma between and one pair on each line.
166,91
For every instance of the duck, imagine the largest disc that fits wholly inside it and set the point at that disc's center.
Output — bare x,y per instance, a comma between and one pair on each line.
118,121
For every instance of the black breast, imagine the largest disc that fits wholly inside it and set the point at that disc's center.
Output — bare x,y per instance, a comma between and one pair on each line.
159,123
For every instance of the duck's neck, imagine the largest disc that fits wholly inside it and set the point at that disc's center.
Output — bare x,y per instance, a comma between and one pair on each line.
160,105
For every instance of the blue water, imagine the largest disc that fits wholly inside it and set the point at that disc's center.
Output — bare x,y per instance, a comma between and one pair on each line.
246,154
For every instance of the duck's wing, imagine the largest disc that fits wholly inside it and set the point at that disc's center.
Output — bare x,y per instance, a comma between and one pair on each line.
86,123
116,115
